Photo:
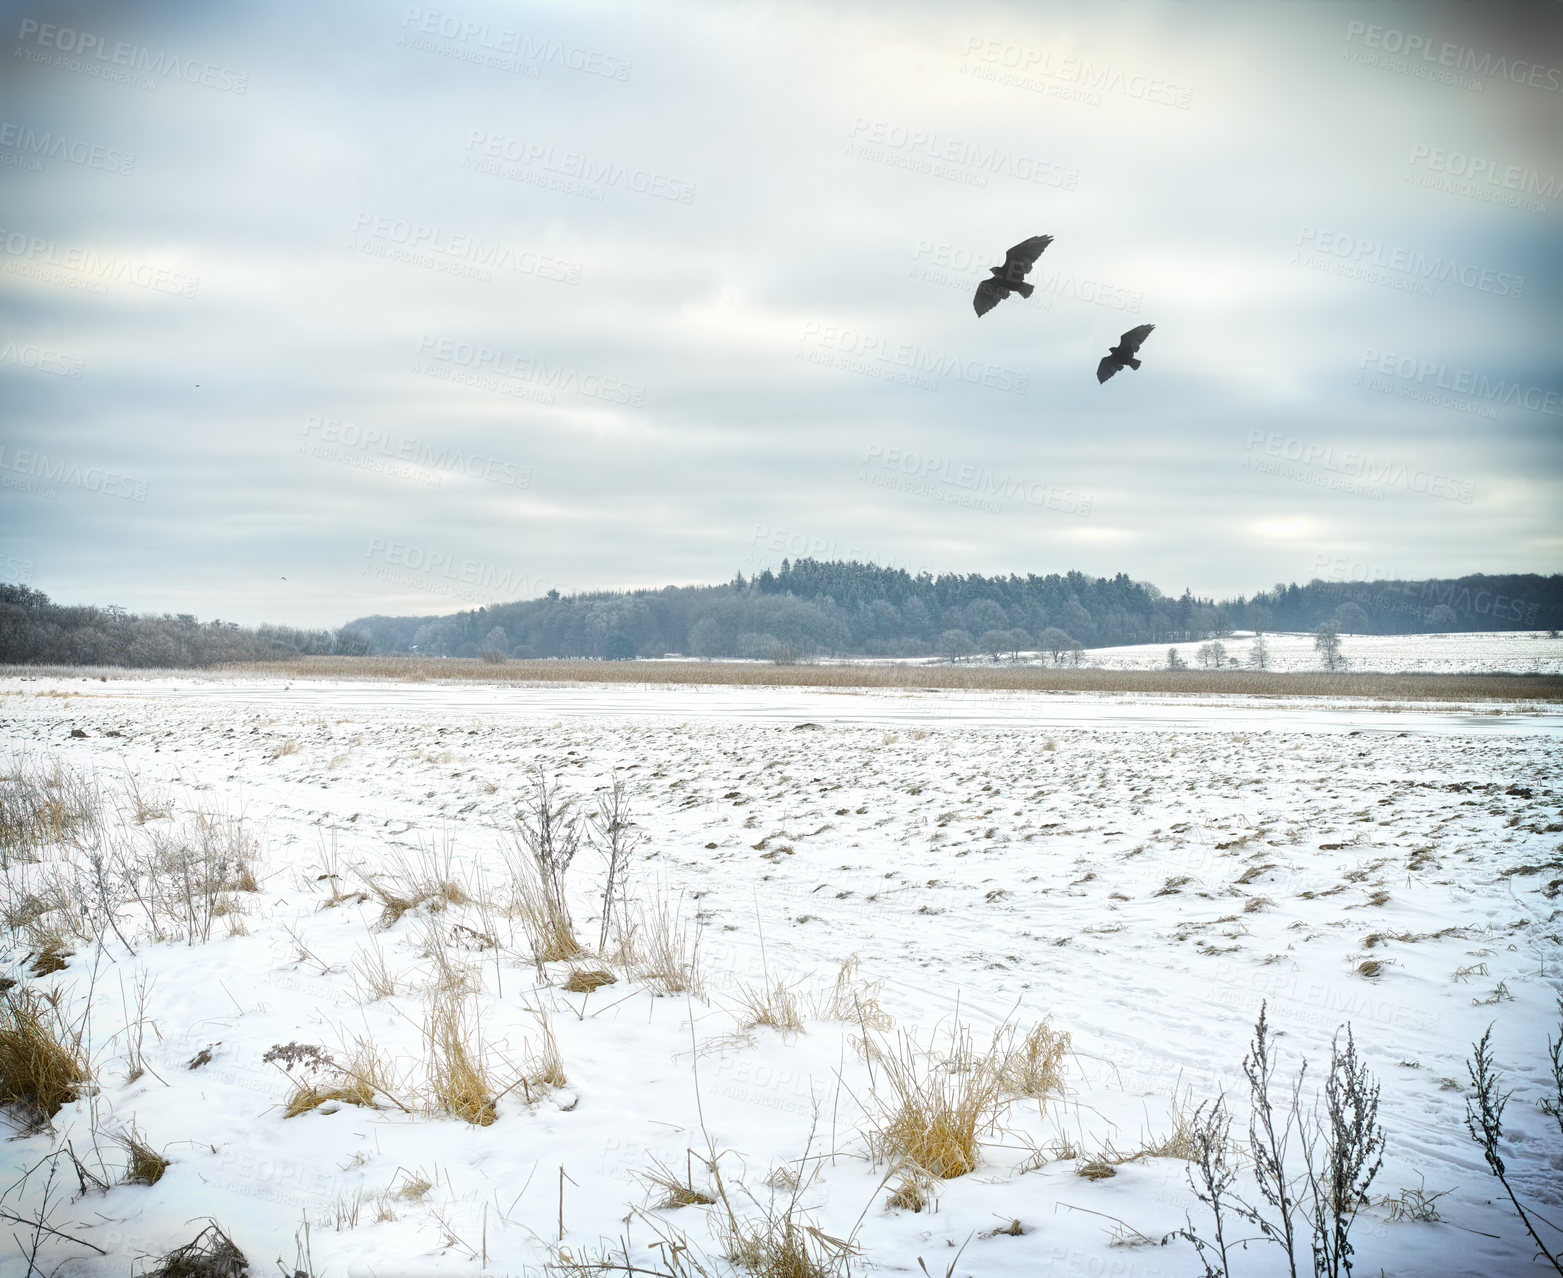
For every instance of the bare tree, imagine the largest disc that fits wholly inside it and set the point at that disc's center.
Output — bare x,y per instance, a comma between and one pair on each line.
1326,642
1259,653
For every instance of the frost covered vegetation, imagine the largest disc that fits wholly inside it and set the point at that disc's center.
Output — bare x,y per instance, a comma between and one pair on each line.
427,992
807,609
812,608
34,631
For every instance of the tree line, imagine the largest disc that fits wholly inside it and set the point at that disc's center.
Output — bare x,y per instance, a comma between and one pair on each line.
810,607
36,631
806,608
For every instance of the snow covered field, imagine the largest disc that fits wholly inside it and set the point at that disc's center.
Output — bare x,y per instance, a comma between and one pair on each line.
1140,872
1491,652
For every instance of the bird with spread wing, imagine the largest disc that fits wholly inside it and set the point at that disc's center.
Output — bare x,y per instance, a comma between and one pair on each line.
1123,354
1011,277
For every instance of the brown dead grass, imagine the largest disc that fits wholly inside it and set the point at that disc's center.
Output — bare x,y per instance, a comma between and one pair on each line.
1391,687
934,1103
43,1060
583,980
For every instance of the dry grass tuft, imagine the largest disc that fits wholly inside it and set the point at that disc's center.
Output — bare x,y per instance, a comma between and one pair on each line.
425,877
914,1191
458,1076
43,1060
311,1096
41,805
775,1008
583,980
211,1254
666,949
1035,1066
145,1166
853,1000
676,1191
372,975
934,1104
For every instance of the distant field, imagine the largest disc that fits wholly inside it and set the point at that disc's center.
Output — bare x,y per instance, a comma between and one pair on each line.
1468,652
996,678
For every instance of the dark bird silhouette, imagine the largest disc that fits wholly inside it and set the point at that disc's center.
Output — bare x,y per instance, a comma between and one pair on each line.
1122,355
1011,277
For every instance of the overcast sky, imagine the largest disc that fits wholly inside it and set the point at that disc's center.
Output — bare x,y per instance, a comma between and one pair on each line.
421,307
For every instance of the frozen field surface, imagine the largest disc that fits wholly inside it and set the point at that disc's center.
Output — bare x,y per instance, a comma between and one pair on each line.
1140,872
1461,652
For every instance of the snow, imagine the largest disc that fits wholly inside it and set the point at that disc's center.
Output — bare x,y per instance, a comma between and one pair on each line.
1476,652
1000,857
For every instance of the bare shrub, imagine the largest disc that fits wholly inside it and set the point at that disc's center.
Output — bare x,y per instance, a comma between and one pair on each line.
1484,1122
613,830
547,838
1353,1144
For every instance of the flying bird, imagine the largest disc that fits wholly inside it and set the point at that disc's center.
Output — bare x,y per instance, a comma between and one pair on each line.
1011,277
1122,355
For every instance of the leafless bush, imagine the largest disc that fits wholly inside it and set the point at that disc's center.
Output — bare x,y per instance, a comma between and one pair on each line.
1484,1122
1353,1144
613,827
547,838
